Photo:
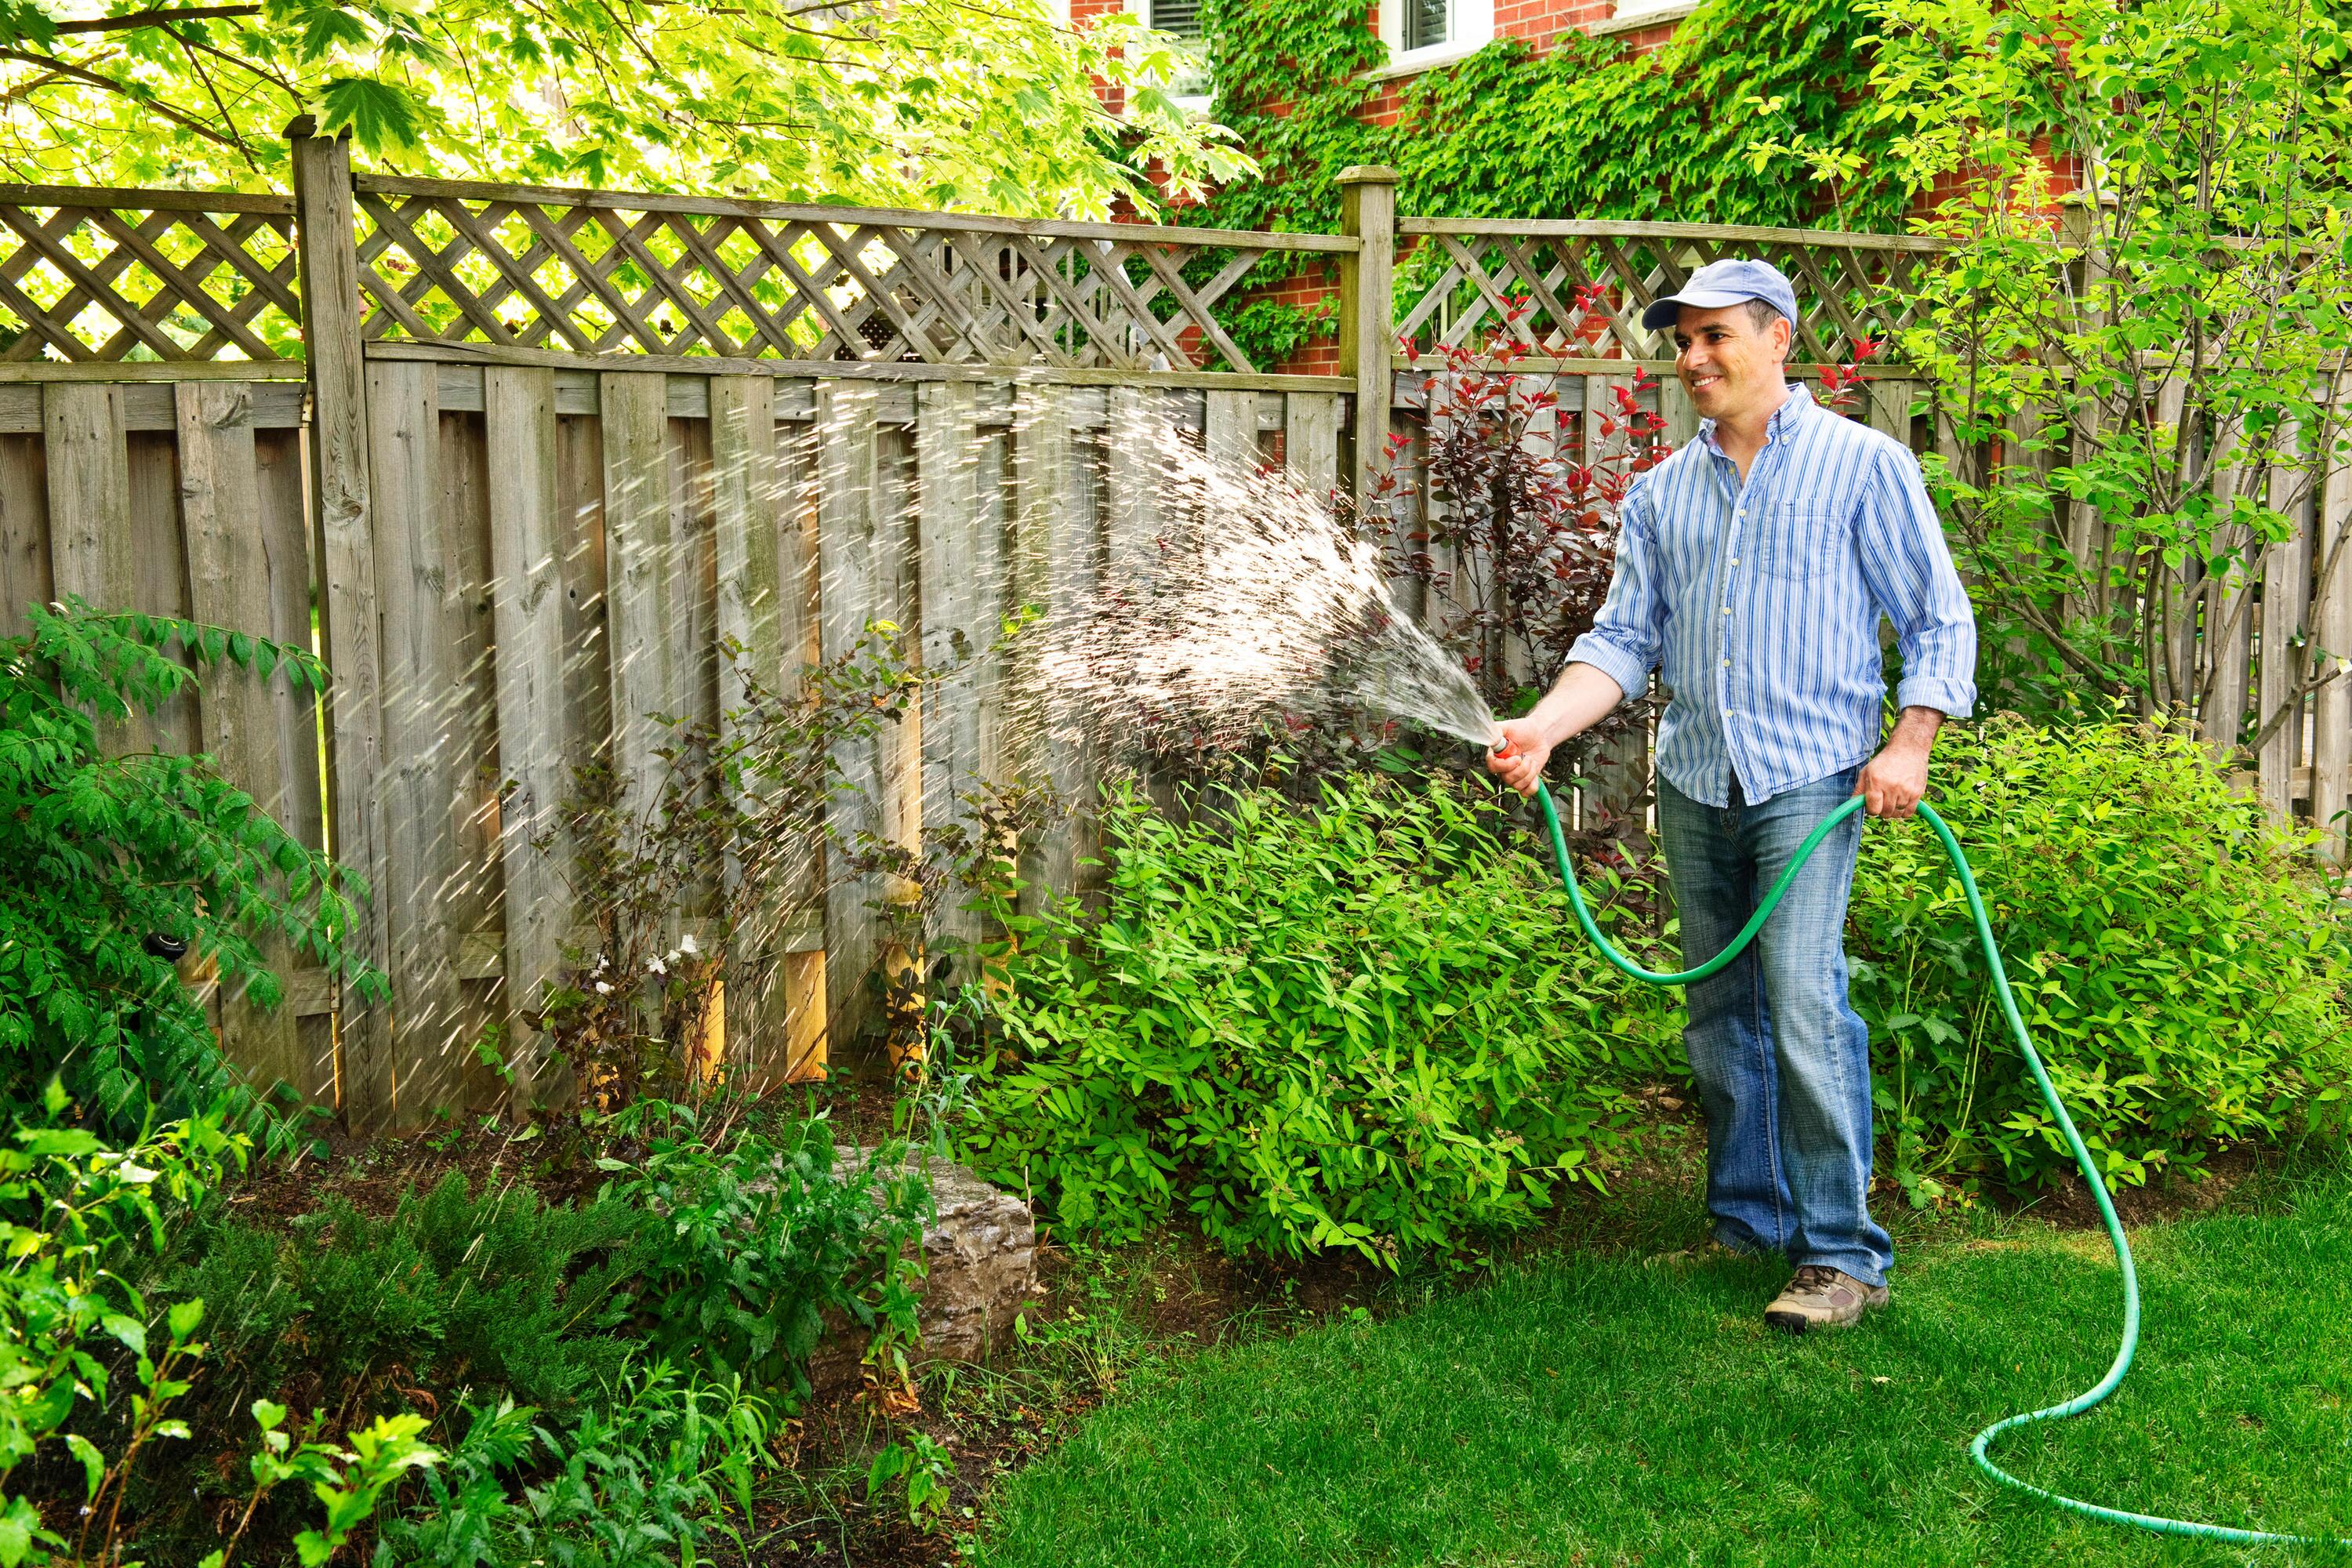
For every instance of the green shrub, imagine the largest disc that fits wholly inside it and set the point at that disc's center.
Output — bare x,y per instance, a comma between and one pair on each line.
2175,955
99,853
1361,1024
748,1240
635,1482
500,1291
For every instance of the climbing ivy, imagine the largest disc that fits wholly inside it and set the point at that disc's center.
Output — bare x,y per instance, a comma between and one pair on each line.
1590,128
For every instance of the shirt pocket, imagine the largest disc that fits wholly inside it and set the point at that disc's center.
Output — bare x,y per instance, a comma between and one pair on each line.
1803,539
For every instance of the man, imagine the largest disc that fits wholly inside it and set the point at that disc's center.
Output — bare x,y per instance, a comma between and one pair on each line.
1755,564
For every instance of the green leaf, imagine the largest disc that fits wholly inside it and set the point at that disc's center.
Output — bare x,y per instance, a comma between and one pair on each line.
379,116
93,1463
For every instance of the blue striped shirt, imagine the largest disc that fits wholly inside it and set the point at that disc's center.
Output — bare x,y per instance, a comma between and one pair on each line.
1763,602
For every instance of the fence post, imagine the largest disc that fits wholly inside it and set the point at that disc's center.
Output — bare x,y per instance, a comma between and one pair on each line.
1367,284
332,311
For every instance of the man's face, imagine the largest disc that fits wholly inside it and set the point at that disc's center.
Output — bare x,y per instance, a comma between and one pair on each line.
1725,361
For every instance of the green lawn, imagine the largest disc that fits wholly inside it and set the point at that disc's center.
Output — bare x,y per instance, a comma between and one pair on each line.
1586,1409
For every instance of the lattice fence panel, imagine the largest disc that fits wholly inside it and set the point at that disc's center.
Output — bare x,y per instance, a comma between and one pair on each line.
92,275
598,274
1580,294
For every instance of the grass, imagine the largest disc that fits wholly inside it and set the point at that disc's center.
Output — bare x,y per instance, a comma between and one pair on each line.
1586,1408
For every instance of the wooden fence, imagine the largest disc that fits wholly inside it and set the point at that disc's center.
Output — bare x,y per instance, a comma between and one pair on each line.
519,462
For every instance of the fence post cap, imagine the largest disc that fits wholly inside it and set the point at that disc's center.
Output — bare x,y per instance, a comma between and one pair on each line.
1368,174
305,128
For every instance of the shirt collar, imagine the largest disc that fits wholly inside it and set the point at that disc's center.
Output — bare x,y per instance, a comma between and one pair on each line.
1793,408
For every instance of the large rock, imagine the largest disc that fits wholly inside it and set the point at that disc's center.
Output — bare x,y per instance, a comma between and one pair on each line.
981,1254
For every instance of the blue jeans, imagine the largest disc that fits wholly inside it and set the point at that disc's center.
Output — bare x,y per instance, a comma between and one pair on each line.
1782,1059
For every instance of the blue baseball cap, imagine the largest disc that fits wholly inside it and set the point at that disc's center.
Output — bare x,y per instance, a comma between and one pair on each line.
1730,281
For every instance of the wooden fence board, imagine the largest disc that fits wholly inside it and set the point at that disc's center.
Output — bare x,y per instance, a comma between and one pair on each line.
472,908
581,562
1052,556
228,585
957,555
1310,440
1231,428
527,605
425,689
158,575
747,487
2331,753
92,547
2286,591
281,487
850,542
644,597
24,532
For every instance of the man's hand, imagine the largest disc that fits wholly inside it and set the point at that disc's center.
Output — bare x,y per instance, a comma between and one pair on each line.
1518,758
1580,698
1893,781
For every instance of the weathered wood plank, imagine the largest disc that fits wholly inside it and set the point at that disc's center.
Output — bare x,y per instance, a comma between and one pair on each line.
426,726
25,577
160,576
92,550
472,896
959,554
885,371
2331,728
1310,440
2286,592
284,529
851,542
228,585
644,602
1055,529
535,744
746,493
1230,428
655,201
348,607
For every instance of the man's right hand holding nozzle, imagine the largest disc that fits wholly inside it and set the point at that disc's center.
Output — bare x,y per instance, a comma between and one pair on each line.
1580,698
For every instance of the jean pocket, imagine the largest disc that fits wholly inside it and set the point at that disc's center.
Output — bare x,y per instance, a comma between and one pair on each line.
1803,539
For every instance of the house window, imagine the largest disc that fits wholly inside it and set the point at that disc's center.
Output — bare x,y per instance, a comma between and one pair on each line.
1425,23
1425,33
1192,88
1181,17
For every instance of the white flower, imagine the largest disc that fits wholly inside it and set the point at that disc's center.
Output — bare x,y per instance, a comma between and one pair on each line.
604,988
685,944
656,966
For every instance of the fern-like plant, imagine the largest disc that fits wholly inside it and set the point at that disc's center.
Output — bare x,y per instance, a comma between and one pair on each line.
111,859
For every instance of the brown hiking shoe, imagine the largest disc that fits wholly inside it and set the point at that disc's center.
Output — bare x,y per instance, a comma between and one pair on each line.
1822,1297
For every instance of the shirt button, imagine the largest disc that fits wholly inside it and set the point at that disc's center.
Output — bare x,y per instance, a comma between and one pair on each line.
1727,664
1727,609
1735,560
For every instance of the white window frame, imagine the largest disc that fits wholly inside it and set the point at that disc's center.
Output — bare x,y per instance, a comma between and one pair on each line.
1470,27
1190,103
1633,14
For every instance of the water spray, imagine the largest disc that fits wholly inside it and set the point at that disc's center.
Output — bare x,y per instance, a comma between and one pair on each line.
2090,1398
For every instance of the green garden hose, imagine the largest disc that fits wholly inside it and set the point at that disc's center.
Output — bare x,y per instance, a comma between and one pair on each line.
2114,1377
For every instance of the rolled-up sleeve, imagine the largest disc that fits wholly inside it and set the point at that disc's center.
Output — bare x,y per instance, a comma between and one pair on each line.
1630,628
1910,574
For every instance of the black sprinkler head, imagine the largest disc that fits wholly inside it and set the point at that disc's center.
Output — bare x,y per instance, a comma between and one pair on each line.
170,949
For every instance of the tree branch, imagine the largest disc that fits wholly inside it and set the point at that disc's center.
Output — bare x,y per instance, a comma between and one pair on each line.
176,117
156,17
